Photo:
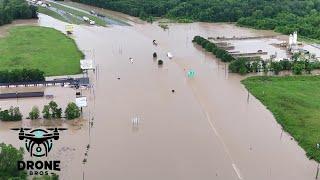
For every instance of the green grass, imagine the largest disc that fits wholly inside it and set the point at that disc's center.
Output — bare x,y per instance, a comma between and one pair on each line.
80,14
52,14
295,103
39,47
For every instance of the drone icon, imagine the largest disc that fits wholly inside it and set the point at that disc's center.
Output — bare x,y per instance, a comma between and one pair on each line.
38,142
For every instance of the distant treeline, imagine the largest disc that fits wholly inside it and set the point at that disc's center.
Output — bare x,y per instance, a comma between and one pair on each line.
298,64
16,9
21,75
284,16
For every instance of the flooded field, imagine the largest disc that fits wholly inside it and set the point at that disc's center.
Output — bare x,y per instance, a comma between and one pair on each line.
209,128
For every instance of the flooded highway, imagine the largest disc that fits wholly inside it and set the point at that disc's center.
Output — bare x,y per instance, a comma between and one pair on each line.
209,128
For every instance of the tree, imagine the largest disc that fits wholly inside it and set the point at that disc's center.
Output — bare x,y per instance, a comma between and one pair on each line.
35,113
46,112
52,111
56,112
8,163
4,115
72,111
16,114
13,114
16,9
239,66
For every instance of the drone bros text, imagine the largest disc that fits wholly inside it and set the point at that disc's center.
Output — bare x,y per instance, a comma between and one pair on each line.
39,167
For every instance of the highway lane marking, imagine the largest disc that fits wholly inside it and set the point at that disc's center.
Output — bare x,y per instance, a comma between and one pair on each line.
224,145
237,171
207,115
212,126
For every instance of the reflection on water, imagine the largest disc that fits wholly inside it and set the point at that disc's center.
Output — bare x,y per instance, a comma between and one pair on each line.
207,129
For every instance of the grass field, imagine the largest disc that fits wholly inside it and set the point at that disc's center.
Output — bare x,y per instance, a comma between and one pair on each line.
39,47
295,103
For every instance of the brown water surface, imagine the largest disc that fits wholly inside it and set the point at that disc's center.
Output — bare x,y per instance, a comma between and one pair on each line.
207,129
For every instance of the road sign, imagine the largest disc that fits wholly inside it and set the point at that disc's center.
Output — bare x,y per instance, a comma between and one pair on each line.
86,64
191,73
69,28
81,102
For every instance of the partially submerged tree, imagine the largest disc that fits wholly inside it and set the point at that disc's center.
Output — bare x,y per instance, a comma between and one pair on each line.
46,112
55,110
13,114
35,113
52,111
72,111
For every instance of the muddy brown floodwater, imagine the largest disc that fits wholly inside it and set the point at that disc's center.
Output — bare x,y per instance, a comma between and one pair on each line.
206,129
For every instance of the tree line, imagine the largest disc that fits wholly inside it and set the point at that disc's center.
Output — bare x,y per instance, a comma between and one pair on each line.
298,64
16,9
283,16
50,111
209,46
21,75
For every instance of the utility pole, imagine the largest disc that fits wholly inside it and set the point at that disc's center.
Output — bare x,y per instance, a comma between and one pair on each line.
317,174
317,171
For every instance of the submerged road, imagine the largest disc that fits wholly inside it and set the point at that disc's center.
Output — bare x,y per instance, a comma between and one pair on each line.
208,129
